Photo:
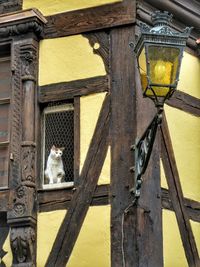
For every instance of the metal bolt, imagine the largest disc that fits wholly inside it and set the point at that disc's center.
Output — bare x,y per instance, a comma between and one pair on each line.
132,147
132,169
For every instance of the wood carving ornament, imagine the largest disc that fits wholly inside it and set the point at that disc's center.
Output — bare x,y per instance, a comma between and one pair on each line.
22,245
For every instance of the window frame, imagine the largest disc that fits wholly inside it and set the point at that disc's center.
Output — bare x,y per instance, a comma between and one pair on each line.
6,46
75,102
50,110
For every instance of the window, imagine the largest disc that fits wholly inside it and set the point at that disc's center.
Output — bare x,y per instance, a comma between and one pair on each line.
58,145
5,96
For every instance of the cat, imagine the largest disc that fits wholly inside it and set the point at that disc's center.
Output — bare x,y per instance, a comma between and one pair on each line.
54,172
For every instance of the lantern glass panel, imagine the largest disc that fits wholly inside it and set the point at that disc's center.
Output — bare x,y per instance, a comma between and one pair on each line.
163,66
143,69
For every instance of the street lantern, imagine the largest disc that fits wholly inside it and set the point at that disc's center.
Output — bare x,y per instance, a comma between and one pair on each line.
159,51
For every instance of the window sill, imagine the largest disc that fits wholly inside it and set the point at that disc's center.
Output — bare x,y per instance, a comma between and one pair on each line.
58,186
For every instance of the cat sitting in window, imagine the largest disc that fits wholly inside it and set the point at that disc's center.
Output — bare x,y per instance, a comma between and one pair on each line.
54,172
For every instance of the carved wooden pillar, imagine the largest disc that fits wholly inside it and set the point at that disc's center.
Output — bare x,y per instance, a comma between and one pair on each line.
22,215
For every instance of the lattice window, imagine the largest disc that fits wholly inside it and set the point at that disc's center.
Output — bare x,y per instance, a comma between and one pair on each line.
58,131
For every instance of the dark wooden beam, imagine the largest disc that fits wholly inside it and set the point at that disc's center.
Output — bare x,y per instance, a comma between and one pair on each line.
7,6
69,90
50,200
60,199
90,19
176,195
149,210
122,136
192,207
4,200
82,197
101,39
185,102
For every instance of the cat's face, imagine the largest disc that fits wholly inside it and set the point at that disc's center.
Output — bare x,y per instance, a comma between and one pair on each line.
56,152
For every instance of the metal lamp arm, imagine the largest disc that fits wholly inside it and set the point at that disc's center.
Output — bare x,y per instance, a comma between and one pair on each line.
143,149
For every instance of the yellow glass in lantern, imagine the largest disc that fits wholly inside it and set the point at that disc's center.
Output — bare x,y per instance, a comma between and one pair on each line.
143,70
163,68
161,72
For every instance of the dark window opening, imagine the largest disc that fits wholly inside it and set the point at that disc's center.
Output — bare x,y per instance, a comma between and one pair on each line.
5,96
58,133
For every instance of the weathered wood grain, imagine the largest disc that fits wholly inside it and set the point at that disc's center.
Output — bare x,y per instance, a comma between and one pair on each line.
192,207
100,43
176,195
4,200
60,199
185,102
7,6
69,90
83,194
122,136
149,212
90,19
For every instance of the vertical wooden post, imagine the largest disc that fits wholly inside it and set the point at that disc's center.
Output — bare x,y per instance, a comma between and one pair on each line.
136,235
149,209
23,213
122,135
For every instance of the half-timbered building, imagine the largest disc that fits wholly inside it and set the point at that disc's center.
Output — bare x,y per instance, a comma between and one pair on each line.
69,79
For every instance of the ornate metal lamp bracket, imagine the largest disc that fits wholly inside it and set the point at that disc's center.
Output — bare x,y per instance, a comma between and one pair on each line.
143,148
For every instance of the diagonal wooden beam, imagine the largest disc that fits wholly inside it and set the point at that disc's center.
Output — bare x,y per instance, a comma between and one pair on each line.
71,225
185,102
90,19
192,206
66,90
176,196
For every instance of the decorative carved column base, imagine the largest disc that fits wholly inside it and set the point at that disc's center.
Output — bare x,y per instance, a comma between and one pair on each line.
23,243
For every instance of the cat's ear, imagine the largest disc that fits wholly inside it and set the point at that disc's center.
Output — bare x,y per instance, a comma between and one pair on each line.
53,147
62,148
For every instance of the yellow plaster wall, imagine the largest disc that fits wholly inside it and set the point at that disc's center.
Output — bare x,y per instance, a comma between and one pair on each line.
49,7
93,238
67,59
92,248
7,259
189,79
90,107
174,255
48,226
162,176
184,130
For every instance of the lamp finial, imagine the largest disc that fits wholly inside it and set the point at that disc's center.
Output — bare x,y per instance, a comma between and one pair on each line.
160,18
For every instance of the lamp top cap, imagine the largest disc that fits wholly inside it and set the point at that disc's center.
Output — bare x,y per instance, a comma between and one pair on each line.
160,18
